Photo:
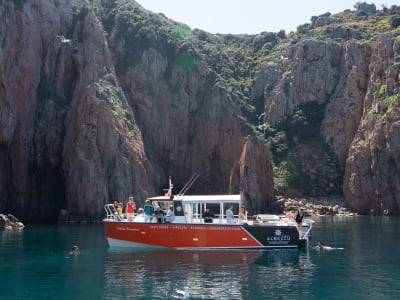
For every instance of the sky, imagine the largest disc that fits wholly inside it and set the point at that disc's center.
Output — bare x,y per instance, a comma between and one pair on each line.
250,16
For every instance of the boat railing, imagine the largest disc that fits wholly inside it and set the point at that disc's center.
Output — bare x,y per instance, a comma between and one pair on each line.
309,225
112,214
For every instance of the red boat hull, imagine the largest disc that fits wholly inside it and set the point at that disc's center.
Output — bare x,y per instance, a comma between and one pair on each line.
200,236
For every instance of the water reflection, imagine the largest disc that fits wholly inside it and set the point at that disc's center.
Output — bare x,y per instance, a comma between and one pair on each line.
233,274
281,270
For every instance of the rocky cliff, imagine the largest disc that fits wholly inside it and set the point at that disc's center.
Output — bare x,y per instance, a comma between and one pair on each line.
102,100
85,119
372,179
358,84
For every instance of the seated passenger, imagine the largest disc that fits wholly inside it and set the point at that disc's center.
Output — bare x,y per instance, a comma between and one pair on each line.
208,216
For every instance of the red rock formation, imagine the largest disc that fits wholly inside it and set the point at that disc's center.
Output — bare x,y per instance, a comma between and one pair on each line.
74,135
66,140
256,176
87,116
359,83
372,179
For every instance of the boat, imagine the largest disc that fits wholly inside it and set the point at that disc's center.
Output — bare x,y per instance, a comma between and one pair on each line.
189,230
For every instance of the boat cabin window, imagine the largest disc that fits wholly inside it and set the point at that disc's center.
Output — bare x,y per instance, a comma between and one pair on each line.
195,206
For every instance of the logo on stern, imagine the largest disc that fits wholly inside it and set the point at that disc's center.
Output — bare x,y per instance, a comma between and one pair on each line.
278,237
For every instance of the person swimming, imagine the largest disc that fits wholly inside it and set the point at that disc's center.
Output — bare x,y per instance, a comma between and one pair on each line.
74,250
320,246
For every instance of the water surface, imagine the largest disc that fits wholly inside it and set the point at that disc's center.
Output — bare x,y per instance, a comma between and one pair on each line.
35,264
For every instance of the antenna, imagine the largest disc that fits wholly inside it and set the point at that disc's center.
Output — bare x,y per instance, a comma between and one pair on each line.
188,184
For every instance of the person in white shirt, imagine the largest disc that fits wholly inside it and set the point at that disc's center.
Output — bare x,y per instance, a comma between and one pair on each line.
170,215
229,215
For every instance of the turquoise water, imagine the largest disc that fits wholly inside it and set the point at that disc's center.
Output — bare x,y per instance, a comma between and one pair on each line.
35,264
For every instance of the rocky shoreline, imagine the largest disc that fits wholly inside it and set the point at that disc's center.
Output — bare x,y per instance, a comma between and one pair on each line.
316,206
9,221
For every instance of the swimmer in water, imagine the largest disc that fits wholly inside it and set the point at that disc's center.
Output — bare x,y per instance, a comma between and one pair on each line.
74,250
321,246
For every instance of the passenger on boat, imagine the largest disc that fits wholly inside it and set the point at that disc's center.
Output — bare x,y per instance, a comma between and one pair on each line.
148,211
130,209
243,215
116,207
159,214
208,216
298,221
229,215
170,218
120,208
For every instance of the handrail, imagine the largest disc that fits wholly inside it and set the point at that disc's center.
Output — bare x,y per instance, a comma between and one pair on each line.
306,235
111,213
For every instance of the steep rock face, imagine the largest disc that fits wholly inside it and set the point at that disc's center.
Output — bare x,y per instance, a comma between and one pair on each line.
359,85
372,178
347,99
76,134
184,125
255,175
321,72
64,146
307,71
24,43
95,106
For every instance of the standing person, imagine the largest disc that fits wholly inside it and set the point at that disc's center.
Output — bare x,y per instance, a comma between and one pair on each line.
148,211
170,215
130,209
116,207
229,215
298,221
120,208
243,215
159,214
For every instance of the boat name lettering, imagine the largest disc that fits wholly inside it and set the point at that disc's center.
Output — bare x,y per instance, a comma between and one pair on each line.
127,228
132,229
188,227
279,238
181,227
